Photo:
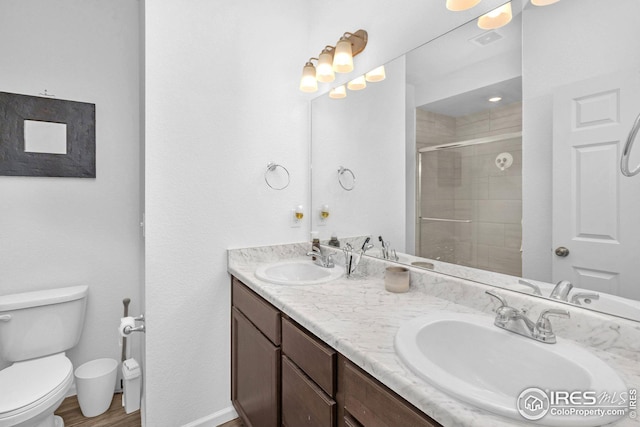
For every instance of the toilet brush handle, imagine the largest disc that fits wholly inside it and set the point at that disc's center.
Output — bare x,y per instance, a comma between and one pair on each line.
126,302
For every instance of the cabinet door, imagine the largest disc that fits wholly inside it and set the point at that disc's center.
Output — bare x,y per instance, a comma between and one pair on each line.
304,404
255,374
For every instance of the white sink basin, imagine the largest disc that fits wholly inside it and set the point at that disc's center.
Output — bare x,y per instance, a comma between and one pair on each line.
469,358
297,272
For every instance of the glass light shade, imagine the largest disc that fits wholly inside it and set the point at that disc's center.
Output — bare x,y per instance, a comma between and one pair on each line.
308,82
325,73
459,5
338,92
358,83
497,18
343,57
376,75
543,2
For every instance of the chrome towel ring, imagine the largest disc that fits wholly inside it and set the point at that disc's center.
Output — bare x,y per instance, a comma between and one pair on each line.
271,176
346,178
626,153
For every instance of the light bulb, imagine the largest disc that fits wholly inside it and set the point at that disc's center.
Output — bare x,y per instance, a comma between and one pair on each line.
338,92
459,5
308,82
497,18
325,73
299,212
358,83
376,75
343,56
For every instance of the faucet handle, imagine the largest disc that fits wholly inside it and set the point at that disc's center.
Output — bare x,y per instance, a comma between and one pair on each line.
544,332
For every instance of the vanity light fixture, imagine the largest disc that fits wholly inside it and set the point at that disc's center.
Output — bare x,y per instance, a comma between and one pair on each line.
338,92
376,75
325,73
308,82
338,59
460,5
543,2
498,17
358,83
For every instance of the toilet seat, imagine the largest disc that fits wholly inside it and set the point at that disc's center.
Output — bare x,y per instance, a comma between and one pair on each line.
33,383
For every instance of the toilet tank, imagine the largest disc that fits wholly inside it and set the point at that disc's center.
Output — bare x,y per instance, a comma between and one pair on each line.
41,323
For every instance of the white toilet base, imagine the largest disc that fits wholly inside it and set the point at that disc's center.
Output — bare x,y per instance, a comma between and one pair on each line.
59,422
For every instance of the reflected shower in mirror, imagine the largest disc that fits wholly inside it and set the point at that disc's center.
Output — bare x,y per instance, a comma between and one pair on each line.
491,189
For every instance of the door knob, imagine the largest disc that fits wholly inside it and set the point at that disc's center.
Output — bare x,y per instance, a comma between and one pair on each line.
562,251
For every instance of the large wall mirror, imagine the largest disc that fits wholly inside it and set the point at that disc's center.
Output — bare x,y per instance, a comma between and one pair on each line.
521,192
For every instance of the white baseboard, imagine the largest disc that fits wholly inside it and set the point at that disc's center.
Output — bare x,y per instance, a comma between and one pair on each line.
214,419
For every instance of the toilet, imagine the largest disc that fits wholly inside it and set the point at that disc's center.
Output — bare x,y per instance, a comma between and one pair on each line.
36,328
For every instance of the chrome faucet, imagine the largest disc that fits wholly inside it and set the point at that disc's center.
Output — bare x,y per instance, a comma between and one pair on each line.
514,320
561,290
320,259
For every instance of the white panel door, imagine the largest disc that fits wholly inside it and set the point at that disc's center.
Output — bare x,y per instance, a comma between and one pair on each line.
596,210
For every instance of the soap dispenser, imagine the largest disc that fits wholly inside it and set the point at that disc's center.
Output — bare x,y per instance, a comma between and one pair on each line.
334,241
315,243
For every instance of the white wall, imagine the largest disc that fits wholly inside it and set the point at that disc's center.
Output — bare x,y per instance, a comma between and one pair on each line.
57,232
586,39
222,101
370,142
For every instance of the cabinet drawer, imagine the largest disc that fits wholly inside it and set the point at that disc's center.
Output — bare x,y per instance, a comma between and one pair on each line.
315,358
304,404
262,314
373,405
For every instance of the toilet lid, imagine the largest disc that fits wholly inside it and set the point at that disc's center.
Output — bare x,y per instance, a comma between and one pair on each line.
24,383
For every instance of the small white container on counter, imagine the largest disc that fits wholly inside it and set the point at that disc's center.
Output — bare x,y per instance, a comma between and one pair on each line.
396,279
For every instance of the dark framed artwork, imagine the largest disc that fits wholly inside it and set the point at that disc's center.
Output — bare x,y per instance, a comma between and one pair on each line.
46,137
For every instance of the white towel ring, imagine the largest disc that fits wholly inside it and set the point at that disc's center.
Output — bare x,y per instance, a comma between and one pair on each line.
272,169
346,178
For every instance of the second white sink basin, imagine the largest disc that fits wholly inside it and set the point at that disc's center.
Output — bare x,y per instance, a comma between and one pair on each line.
297,272
469,358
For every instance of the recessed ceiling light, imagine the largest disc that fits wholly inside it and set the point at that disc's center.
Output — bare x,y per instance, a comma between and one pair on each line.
495,99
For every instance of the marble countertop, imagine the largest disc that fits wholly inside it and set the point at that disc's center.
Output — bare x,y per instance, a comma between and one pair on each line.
359,319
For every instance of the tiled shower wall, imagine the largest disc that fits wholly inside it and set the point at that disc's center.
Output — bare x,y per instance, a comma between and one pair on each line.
465,184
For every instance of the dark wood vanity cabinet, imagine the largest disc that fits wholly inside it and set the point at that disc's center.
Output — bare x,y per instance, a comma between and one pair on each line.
308,379
282,375
255,358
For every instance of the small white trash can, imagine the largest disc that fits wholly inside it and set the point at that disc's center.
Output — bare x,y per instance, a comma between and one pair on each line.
95,384
131,374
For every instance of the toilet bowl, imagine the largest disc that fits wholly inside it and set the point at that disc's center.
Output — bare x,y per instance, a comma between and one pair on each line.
36,329
33,390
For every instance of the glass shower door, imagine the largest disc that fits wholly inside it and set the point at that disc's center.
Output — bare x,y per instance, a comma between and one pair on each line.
470,205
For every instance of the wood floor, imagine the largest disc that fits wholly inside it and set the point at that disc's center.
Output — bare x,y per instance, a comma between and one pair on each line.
114,417
233,423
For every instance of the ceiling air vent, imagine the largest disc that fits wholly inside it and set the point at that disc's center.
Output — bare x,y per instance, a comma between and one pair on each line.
486,38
